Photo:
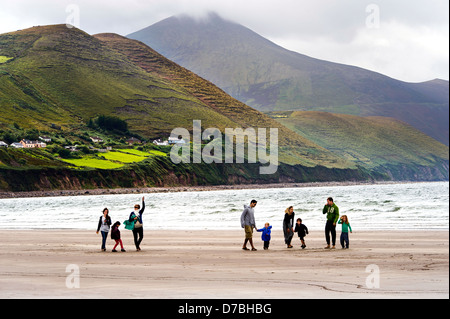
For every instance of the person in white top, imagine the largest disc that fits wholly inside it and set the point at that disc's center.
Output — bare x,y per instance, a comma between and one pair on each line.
104,224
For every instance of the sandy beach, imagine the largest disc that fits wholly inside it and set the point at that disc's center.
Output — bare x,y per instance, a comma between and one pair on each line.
211,264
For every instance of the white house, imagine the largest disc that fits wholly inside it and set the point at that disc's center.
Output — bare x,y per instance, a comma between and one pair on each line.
32,144
3,144
96,139
176,140
160,142
16,145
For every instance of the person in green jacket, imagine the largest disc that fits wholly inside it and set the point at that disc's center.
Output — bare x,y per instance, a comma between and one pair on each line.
344,234
332,212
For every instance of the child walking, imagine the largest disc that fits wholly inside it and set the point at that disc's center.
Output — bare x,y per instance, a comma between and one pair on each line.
266,231
344,234
301,231
115,234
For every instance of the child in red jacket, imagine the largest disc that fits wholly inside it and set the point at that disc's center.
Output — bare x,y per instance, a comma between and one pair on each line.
115,234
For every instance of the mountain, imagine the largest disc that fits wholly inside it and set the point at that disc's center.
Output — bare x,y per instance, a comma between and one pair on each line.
55,79
65,76
268,77
385,145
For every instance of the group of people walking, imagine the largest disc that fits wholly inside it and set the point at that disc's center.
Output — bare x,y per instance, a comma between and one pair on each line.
133,223
290,227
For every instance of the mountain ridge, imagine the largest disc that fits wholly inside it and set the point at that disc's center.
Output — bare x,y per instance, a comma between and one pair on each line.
82,77
269,78
56,75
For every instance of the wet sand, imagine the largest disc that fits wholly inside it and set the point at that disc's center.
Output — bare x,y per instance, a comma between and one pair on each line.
211,264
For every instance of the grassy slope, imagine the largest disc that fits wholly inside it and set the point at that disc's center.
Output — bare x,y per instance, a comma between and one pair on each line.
65,76
372,142
294,149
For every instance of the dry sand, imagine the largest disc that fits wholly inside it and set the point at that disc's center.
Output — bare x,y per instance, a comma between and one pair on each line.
211,264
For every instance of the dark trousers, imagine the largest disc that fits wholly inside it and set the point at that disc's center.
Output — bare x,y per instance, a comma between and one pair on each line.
266,244
330,228
138,234
344,240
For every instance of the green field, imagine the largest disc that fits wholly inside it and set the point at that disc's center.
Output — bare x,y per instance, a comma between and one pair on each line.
93,162
113,159
4,59
122,157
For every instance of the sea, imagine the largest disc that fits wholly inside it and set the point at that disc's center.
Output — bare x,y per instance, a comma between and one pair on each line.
403,206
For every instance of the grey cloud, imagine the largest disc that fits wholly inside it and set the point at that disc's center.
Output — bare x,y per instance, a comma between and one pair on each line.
296,22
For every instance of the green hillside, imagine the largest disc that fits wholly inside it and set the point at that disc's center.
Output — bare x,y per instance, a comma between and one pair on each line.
294,149
59,82
268,77
377,143
56,81
65,76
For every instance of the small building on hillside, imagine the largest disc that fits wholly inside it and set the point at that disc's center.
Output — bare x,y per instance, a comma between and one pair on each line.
176,140
16,145
3,144
32,144
96,139
160,142
133,140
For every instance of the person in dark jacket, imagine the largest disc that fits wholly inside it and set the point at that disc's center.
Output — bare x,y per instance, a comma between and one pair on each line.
301,231
288,226
138,230
115,235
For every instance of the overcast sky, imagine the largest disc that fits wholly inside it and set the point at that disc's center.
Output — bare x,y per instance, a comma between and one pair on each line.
407,40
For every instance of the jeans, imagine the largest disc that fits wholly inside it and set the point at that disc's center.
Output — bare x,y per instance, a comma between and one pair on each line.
104,237
330,228
344,239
